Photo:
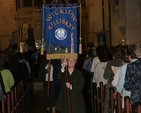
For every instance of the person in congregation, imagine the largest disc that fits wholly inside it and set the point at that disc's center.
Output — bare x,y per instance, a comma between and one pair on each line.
48,72
99,51
100,68
88,77
121,77
1,98
117,53
6,76
2,86
2,95
23,69
74,85
133,78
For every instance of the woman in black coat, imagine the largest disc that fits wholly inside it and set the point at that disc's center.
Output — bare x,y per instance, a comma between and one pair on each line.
75,86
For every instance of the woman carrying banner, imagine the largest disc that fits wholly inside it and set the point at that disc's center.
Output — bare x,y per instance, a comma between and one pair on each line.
75,85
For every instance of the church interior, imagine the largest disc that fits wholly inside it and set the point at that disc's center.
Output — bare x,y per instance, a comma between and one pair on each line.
110,22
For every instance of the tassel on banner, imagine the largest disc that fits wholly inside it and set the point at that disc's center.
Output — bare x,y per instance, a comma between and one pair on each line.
80,46
42,47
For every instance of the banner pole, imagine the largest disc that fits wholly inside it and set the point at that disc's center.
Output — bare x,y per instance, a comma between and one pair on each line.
68,91
80,38
48,88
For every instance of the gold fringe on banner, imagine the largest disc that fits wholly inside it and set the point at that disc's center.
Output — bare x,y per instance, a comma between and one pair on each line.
42,46
62,56
80,46
80,49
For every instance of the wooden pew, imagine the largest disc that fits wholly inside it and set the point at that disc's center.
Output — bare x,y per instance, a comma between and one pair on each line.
115,102
99,99
13,102
8,101
112,101
119,103
139,108
17,99
102,97
3,106
127,105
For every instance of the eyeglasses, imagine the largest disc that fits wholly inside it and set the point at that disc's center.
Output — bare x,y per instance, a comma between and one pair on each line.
71,60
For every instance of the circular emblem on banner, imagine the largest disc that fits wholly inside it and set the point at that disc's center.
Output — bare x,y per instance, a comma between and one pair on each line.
60,33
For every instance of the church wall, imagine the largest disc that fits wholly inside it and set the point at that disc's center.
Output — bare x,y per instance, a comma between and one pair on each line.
125,21
116,35
7,22
94,21
133,21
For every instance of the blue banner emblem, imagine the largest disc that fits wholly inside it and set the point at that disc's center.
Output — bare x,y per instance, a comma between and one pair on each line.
60,33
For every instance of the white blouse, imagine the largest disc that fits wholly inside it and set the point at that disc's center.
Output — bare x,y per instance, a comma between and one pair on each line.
51,73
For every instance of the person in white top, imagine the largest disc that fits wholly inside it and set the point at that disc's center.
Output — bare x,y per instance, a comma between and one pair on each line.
48,72
100,68
121,77
99,51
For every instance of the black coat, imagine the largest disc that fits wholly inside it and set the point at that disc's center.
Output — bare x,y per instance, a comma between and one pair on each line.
76,95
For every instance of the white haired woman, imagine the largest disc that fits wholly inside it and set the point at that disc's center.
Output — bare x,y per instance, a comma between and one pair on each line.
75,84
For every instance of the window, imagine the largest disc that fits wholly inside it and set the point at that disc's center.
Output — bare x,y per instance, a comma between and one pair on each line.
17,4
49,1
116,2
27,3
38,3
72,1
25,28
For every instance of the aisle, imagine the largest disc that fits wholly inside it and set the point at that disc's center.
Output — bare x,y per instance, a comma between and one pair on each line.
38,93
39,105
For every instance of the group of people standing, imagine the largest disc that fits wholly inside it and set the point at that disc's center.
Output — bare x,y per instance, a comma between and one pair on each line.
19,68
15,69
110,66
119,68
66,87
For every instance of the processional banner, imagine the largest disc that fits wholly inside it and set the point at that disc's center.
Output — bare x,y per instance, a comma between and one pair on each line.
61,31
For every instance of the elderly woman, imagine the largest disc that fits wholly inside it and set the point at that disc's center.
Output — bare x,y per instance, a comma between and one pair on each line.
133,78
74,84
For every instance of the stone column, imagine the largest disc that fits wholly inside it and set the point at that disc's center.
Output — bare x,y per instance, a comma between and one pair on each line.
122,27
133,23
122,12
21,3
44,2
32,3
139,15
